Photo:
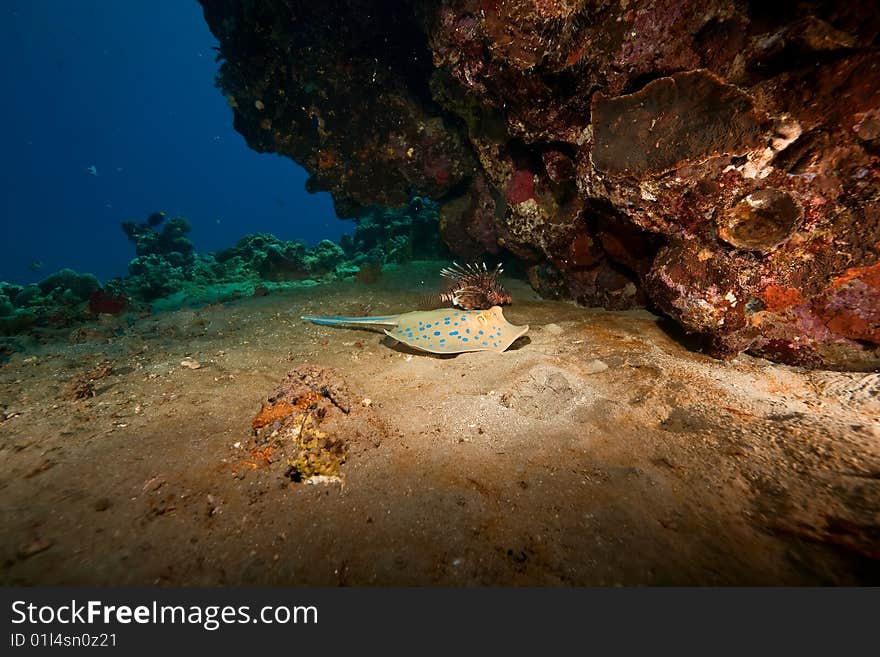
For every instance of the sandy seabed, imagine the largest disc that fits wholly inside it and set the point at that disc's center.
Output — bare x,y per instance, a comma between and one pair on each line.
598,450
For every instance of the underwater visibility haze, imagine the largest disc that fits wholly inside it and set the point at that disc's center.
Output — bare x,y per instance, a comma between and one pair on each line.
114,116
440,292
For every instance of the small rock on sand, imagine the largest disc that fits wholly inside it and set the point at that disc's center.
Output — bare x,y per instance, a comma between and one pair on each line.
595,366
33,547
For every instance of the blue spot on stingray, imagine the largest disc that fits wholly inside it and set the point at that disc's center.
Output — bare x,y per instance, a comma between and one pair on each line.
442,340
467,330
485,343
453,333
436,332
427,326
464,339
481,331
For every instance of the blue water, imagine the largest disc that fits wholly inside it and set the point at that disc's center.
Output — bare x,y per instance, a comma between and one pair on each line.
128,88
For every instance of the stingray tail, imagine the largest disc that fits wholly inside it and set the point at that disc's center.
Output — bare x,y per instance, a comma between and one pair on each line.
388,320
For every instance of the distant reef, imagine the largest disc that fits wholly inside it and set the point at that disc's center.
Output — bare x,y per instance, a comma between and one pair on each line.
718,160
167,271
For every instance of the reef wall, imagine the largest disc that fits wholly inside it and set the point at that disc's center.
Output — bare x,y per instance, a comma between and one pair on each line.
717,159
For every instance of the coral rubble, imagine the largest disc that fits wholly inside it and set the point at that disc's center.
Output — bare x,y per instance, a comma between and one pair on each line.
309,426
717,159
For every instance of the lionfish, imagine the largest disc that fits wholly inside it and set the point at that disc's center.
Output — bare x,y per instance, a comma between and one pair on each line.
472,287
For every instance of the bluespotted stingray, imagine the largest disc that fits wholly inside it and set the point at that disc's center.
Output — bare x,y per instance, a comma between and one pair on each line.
441,331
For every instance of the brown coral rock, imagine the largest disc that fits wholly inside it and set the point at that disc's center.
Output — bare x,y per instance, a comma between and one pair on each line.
688,116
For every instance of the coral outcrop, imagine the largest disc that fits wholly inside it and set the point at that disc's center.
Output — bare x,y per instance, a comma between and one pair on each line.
383,234
719,160
167,262
171,242
266,255
58,300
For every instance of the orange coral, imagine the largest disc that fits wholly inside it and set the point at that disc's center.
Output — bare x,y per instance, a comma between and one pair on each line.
262,457
777,297
850,325
280,410
326,159
306,400
268,414
259,458
870,275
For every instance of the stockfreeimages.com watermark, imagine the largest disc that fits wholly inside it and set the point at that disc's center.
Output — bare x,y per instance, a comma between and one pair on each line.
210,617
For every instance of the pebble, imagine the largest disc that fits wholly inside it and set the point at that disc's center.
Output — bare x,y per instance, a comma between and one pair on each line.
595,366
153,484
34,547
315,480
190,363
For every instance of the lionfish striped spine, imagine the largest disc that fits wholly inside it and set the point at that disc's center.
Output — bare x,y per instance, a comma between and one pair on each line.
473,286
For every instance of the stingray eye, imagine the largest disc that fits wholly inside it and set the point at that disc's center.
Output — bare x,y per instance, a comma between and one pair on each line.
482,318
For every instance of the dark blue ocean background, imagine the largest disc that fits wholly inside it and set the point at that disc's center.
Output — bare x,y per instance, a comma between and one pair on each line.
128,88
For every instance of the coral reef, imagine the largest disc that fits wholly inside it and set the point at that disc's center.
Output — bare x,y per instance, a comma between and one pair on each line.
383,234
167,272
164,259
57,301
718,160
171,242
152,276
324,257
167,262
104,302
265,256
69,285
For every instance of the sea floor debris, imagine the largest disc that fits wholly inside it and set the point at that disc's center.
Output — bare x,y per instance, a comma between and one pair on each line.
309,425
